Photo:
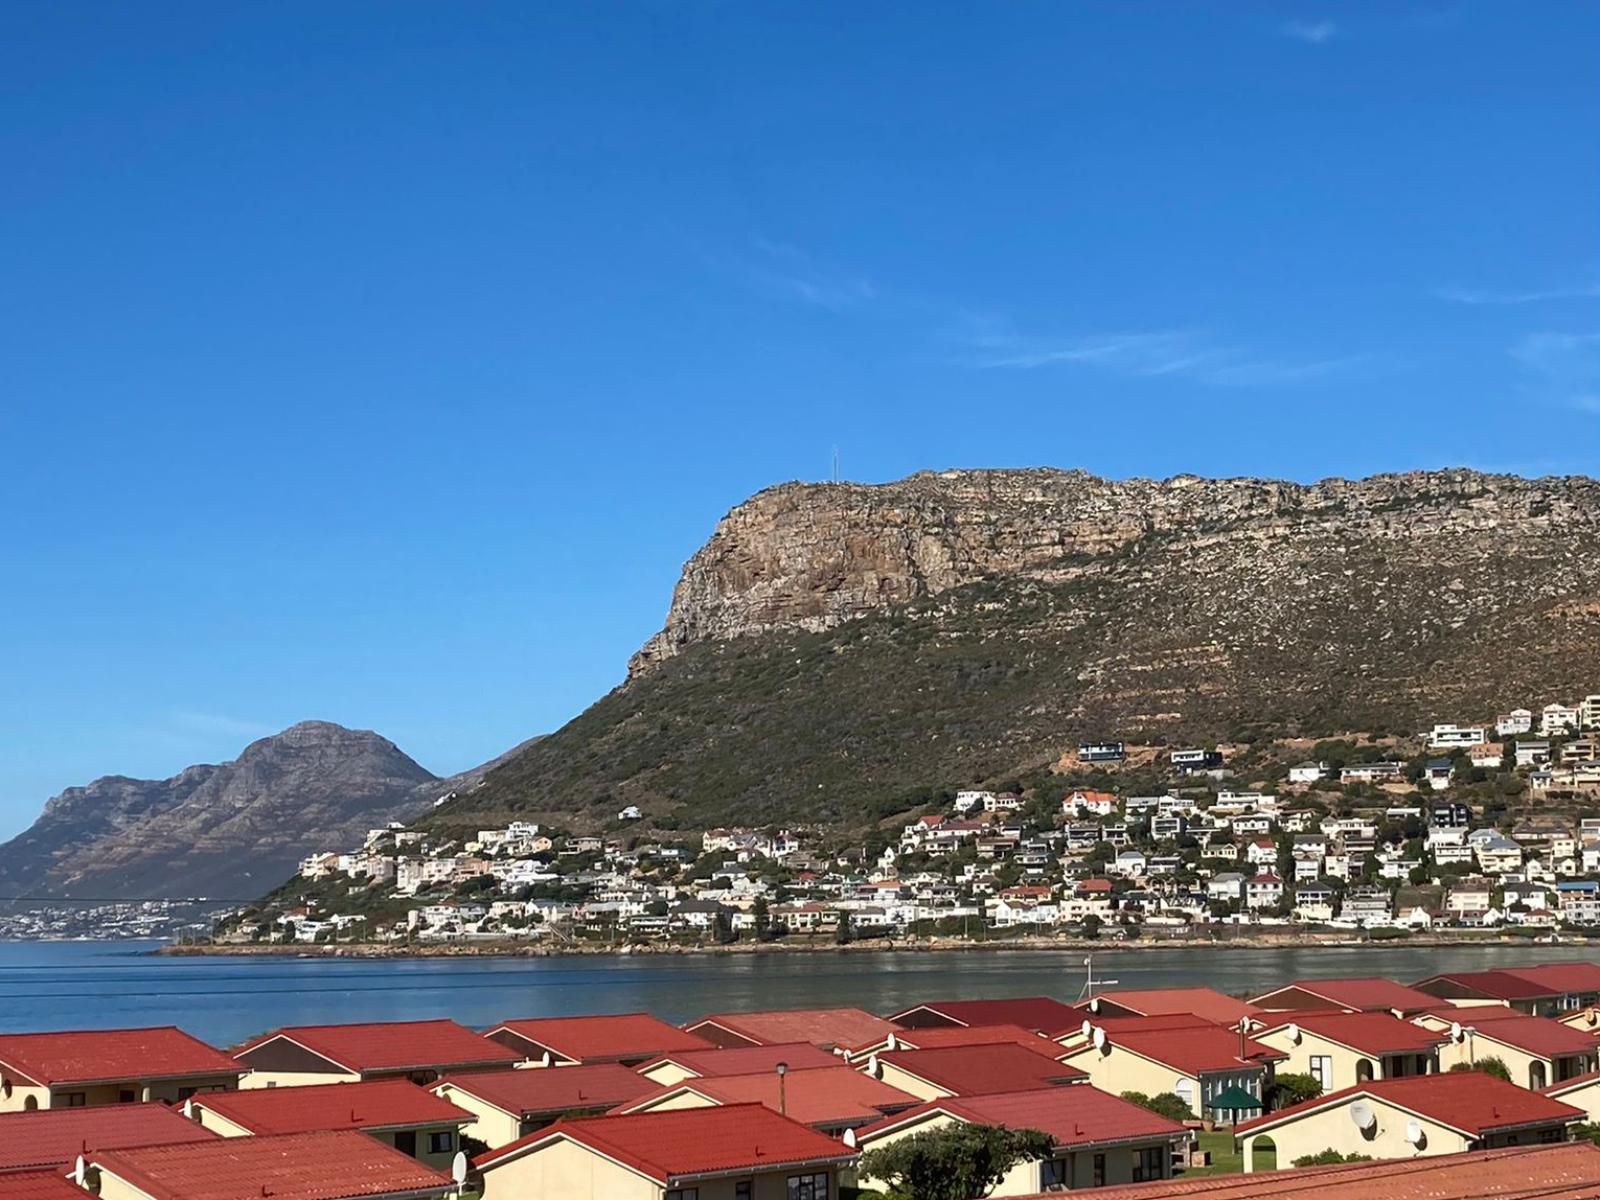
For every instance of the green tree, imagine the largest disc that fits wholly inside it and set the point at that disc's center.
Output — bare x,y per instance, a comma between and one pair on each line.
1165,1104
954,1163
1091,926
842,935
1489,1066
1329,1158
1292,1089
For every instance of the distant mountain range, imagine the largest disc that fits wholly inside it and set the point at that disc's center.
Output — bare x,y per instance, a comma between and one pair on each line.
228,831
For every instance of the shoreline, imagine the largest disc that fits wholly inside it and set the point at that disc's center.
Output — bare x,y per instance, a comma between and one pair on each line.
511,949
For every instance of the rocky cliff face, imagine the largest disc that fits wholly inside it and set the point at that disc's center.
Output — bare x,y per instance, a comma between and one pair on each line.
229,831
810,556
833,647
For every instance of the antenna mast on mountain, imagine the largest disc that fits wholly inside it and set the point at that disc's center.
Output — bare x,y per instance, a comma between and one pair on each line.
836,464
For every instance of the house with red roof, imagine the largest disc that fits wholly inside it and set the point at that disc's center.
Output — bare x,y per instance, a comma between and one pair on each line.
969,1070
1544,989
55,1137
395,1111
935,1037
1160,1002
1040,1013
627,1038
506,1105
327,1165
1355,994
736,1060
1341,1049
736,1152
1538,1051
1100,1139
830,1100
851,1030
38,1185
420,1051
1581,1091
81,1068
1565,1172
1403,1118
1205,1065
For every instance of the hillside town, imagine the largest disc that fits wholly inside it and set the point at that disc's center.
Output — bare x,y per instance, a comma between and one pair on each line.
1462,827
1460,1084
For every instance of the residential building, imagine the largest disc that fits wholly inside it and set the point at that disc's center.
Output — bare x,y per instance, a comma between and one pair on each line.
1343,1049
830,1100
1453,737
970,1070
506,1105
1195,1059
1100,752
420,1051
1558,719
1350,994
851,1030
1373,772
1536,1050
397,1112
1100,1140
1201,1002
1517,721
740,1150
52,1138
1042,1014
739,1060
81,1068
1405,1118
1308,772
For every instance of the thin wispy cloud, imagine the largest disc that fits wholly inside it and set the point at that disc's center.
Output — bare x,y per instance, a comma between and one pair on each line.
1481,296
793,273
1312,33
1565,367
1144,354
218,725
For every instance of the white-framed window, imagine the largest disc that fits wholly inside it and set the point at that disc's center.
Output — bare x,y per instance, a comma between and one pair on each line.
1150,1163
1322,1070
1055,1175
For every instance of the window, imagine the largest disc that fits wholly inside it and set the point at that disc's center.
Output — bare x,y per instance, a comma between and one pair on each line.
808,1187
75,1099
1536,1075
127,1096
682,1194
441,1141
1055,1175
1552,1135
406,1142
744,1189
1322,1070
1150,1164
1099,1170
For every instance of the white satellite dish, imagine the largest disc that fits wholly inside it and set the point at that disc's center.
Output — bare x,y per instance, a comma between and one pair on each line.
547,1059
1362,1116
80,1171
1456,1032
1293,1033
891,1042
874,1068
1088,1028
1094,1005
850,1138
1414,1133
1099,1039
1591,1017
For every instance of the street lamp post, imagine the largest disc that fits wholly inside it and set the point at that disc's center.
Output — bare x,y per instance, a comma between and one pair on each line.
783,1088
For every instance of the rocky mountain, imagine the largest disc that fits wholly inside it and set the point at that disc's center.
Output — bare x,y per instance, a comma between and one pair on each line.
834,648
227,831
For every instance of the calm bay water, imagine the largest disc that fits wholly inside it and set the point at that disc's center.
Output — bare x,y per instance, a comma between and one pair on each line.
80,985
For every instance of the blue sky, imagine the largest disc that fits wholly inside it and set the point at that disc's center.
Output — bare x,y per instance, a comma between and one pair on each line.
382,362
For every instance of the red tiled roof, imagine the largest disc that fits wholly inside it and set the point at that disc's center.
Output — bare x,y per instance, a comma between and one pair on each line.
1197,1050
1563,1172
692,1142
38,1185
1469,1101
748,1060
825,1027
1200,1001
1572,1085
1368,1032
1573,978
330,1165
376,1104
393,1045
1498,985
973,1070
604,1038
54,1137
111,1055
1540,1036
976,1035
1075,1117
541,1091
1361,993
838,1095
1047,1015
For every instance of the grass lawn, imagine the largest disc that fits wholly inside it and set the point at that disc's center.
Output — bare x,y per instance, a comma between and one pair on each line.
1226,1160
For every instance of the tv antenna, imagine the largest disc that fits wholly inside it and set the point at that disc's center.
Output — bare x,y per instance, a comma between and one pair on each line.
1090,982
836,464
